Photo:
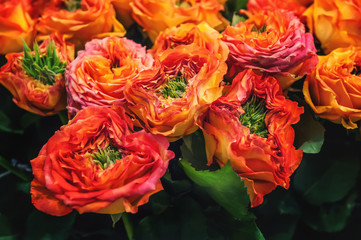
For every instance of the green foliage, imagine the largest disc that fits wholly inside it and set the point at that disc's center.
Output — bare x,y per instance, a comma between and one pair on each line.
42,226
224,186
329,176
310,133
42,67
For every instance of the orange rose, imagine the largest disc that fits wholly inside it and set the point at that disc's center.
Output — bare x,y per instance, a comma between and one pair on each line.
15,24
335,23
166,98
333,90
251,127
99,73
201,35
36,87
157,15
289,5
96,164
273,42
124,11
80,22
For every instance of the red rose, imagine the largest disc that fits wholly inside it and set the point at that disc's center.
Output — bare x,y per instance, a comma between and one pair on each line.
96,163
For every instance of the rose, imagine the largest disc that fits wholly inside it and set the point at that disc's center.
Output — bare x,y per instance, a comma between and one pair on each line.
201,35
41,92
333,89
251,127
80,22
155,16
15,24
274,42
335,23
98,75
124,12
289,5
165,99
96,163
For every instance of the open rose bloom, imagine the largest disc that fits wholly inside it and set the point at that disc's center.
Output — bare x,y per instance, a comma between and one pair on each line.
335,23
273,42
157,15
165,99
333,90
96,163
15,23
251,127
79,21
201,35
45,94
99,73
289,5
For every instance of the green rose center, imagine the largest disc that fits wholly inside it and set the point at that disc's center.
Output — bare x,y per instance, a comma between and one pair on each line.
183,4
72,5
254,116
175,88
259,30
106,157
42,67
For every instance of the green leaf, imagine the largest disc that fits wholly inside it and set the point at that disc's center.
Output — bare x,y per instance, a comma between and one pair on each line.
6,124
237,18
309,133
183,221
331,218
115,218
41,226
193,150
224,186
329,176
7,165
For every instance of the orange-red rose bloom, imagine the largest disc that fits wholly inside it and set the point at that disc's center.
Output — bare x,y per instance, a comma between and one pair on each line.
157,15
262,161
201,35
333,90
166,98
274,42
335,23
98,74
290,5
95,18
32,94
67,175
15,23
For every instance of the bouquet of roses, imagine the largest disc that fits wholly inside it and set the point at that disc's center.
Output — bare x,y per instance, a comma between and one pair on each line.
183,119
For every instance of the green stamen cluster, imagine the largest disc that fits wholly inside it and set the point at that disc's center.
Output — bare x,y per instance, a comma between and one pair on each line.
184,4
72,5
254,116
42,67
259,30
106,157
175,88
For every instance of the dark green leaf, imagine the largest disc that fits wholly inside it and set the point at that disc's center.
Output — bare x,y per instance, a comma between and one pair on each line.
310,133
115,218
183,221
331,218
6,124
224,186
328,176
41,226
7,165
